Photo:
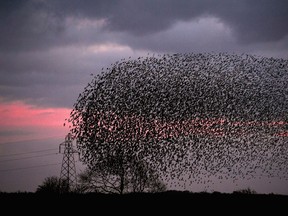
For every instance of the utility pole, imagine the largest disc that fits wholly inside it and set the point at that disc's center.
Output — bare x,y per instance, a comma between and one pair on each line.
68,169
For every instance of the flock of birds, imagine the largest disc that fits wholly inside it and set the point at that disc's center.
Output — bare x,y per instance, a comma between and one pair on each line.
189,115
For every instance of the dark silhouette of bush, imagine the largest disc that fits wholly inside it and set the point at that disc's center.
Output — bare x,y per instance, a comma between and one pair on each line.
245,191
53,185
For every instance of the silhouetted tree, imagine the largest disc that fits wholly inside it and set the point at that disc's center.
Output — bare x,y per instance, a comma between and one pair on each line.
53,185
107,178
191,114
245,191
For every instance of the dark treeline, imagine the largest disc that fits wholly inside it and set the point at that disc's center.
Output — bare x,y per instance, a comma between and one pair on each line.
160,202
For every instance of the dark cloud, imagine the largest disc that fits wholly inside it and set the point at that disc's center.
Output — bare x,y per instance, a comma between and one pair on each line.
27,25
255,21
252,21
35,24
43,78
186,37
42,41
50,78
147,17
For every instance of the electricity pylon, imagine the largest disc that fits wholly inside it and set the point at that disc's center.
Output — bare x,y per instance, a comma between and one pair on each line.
68,168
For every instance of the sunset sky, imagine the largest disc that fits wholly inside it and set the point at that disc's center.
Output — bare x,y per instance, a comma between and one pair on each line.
50,48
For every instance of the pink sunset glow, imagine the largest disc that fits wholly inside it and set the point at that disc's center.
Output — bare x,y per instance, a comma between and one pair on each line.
21,121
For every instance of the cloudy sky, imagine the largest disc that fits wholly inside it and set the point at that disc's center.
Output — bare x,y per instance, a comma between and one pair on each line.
49,48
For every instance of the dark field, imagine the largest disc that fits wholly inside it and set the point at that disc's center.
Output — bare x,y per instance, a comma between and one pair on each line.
145,203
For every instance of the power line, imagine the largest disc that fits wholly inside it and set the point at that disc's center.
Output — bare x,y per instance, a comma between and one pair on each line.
22,168
28,157
30,140
8,155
